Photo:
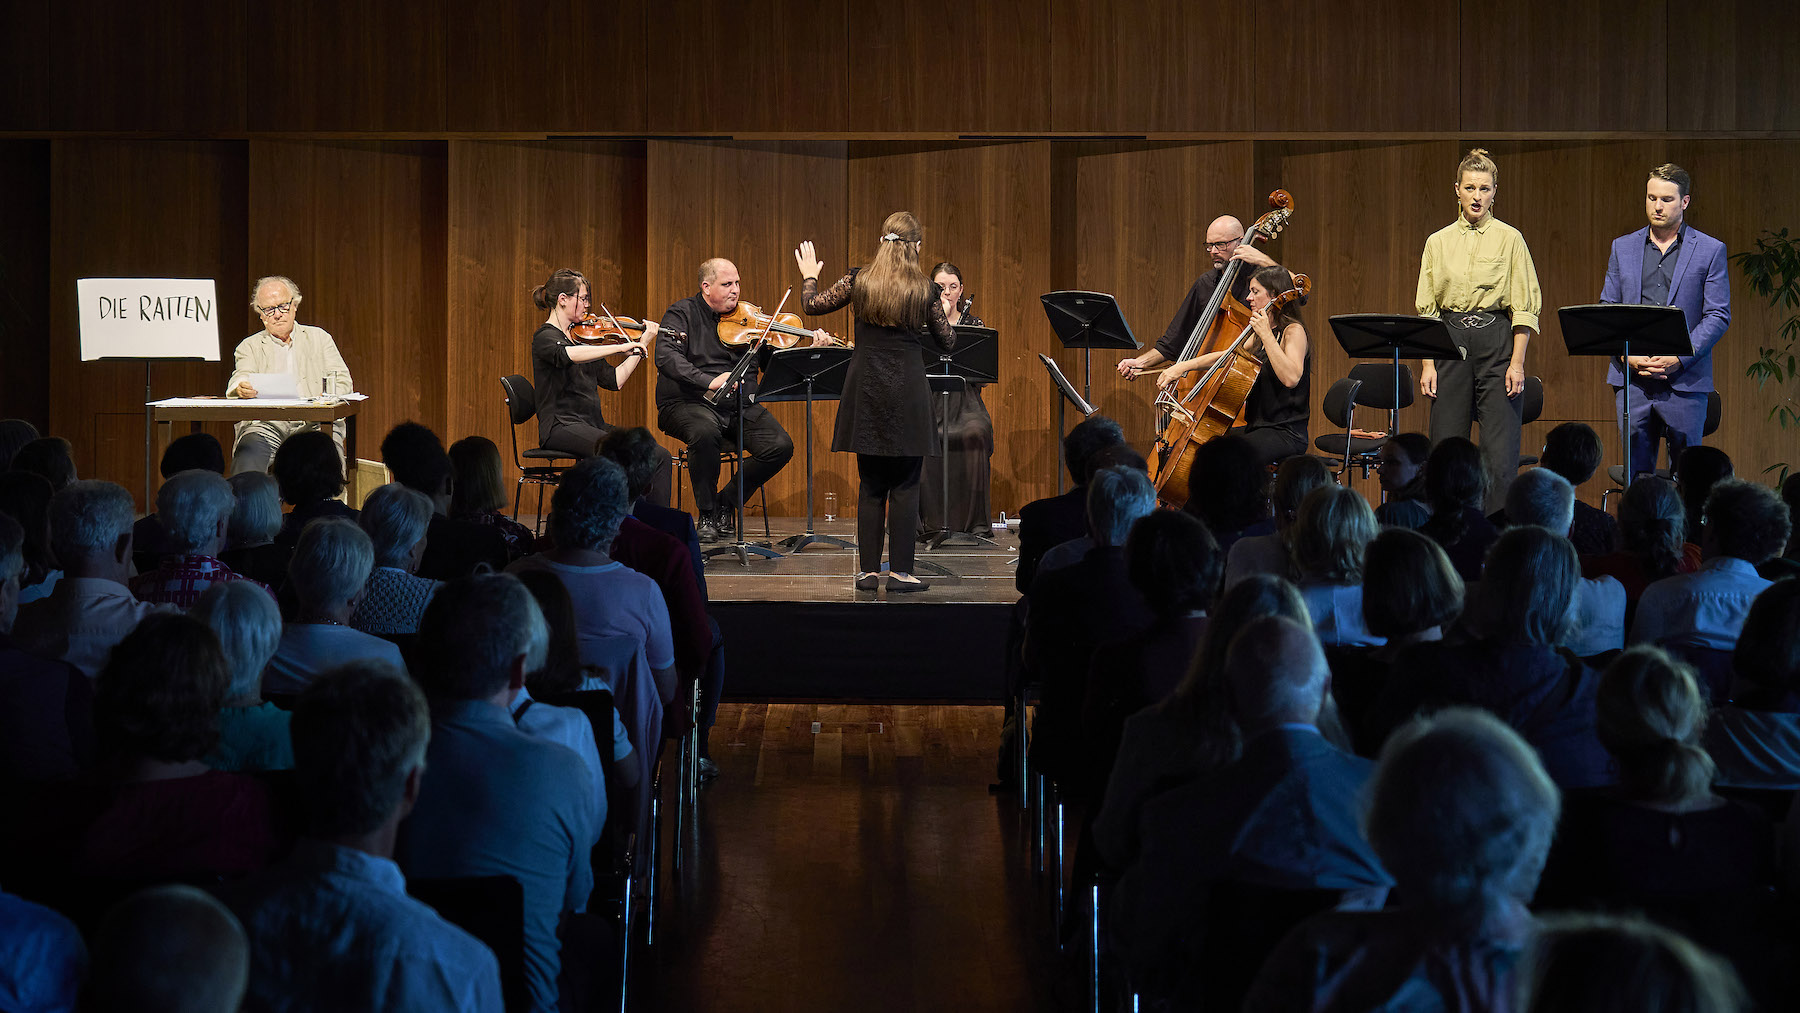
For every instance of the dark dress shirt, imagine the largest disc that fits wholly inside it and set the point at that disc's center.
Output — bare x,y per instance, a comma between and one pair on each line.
679,525
297,518
566,391
685,368
1191,307
1468,548
1594,532
1659,269
453,549
1043,525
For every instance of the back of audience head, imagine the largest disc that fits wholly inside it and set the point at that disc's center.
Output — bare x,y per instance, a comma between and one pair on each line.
1653,524
158,697
1699,469
395,518
1117,497
1173,561
51,457
307,468
256,514
1294,479
1228,485
25,497
1119,455
561,670
244,618
480,636
90,529
1092,434
1768,647
1541,497
1410,588
14,433
1203,695
1649,715
1526,587
1573,451
1461,813
1403,465
330,567
12,564
418,460
634,450
168,949
1330,534
195,450
194,508
1745,520
589,506
1277,674
1454,479
475,465
1601,963
359,735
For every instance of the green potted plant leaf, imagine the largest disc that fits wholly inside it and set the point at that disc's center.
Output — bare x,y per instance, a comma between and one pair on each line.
1772,270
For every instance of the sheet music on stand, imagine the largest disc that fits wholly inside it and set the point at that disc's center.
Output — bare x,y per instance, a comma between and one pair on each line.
1067,388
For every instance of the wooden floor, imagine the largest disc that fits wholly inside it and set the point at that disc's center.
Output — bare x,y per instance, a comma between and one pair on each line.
980,572
852,858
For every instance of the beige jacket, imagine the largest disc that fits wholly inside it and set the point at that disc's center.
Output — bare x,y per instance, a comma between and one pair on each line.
316,360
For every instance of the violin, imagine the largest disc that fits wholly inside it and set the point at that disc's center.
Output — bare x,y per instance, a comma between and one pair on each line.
595,329
748,323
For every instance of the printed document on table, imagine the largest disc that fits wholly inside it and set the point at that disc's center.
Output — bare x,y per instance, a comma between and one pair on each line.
274,385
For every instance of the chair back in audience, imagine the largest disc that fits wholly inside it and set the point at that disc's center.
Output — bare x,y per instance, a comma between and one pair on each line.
1711,664
1241,926
492,909
640,705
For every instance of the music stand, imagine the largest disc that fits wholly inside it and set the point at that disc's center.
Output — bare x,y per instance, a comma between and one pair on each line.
804,373
1384,335
976,359
1088,320
1610,329
743,548
1069,396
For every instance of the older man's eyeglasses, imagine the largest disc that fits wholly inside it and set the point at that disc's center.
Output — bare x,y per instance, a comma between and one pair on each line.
277,310
1223,244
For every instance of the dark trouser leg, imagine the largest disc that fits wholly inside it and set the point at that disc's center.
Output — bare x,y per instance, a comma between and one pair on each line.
1676,416
1642,429
712,685
1274,443
698,426
871,510
1500,421
903,514
768,448
1450,410
576,439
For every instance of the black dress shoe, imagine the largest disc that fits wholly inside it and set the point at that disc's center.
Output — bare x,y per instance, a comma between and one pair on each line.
727,522
868,582
896,586
707,530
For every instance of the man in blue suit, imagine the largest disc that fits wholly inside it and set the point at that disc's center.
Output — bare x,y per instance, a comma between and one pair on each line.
1669,263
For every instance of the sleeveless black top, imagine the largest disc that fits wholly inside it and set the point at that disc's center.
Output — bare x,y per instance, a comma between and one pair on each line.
1273,403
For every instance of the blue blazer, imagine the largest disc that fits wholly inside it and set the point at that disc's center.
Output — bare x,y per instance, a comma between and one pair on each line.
1701,287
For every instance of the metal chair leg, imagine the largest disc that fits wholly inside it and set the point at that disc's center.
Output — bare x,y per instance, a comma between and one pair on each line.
1094,947
655,854
1058,870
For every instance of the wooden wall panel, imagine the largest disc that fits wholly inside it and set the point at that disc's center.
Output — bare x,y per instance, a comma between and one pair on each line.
138,209
348,65
560,66
1147,65
1553,65
25,65
752,203
519,210
25,282
360,227
946,65
1356,67
1732,67
752,65
987,209
175,66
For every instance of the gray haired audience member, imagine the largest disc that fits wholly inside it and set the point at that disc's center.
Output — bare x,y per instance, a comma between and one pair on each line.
168,949
1746,524
250,546
1294,479
46,723
1598,963
1755,738
1118,455
253,733
194,509
1597,610
333,927
1462,815
1327,541
395,518
328,575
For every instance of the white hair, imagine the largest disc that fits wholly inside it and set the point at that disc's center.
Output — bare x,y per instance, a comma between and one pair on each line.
293,289
331,562
256,518
88,517
249,629
395,519
1541,497
1117,498
190,505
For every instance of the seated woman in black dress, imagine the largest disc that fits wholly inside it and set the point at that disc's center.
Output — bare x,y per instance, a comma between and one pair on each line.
971,433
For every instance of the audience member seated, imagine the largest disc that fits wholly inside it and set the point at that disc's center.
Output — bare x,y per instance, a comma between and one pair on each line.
1074,610
1048,522
1699,469
1504,658
159,812
478,497
1746,523
310,475
1755,738
14,433
1270,553
46,721
1410,595
1457,486
253,733
1594,963
91,608
1597,612
193,509
497,801
1283,816
637,451
185,453
1329,537
1572,450
328,574
1788,563
168,949
1195,729
332,927
1652,541
250,547
51,457
1402,475
453,549
42,957
395,519
1119,455
1228,488
1461,814
25,497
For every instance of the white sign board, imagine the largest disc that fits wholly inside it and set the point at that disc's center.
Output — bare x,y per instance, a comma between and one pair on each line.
148,318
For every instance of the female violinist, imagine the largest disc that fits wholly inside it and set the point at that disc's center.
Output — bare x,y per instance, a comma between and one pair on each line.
568,373
971,433
1280,401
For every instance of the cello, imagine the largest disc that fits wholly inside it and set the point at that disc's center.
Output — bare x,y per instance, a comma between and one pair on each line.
1214,404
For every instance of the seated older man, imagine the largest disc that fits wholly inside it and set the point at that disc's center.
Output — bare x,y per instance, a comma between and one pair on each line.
284,346
332,927
92,608
194,508
1746,524
46,724
395,519
253,733
328,574
1597,612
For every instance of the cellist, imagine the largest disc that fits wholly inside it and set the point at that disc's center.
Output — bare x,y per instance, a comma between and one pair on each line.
1277,411
1224,241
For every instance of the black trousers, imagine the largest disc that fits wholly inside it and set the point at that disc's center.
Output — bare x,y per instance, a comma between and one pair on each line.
580,440
708,432
1274,444
1474,390
887,496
